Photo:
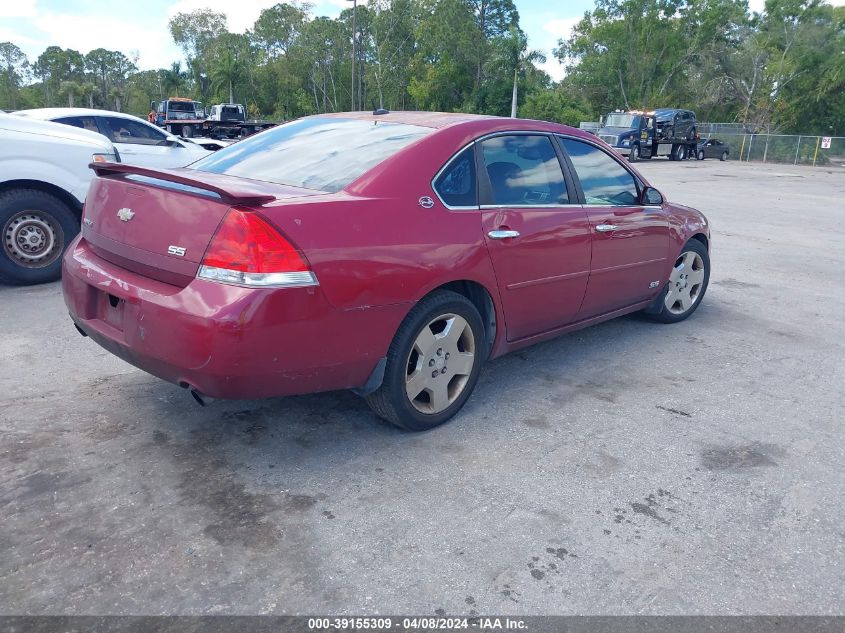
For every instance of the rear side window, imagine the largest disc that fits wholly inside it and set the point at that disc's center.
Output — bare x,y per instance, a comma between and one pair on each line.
315,153
604,181
456,186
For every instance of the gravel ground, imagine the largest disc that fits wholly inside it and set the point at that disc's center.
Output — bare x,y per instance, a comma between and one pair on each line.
628,468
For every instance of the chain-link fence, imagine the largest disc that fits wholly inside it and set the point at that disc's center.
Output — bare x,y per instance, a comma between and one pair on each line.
713,129
776,148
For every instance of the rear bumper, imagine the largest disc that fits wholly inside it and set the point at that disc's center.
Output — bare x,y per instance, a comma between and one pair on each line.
225,341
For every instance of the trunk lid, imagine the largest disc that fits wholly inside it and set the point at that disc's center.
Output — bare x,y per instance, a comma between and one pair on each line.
158,223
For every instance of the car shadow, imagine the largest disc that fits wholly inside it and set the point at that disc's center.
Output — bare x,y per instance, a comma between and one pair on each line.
326,430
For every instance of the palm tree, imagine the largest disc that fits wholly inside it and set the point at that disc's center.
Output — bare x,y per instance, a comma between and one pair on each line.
116,95
226,70
173,78
70,89
514,53
87,91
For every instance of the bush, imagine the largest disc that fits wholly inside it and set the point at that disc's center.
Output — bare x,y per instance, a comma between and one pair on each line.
555,105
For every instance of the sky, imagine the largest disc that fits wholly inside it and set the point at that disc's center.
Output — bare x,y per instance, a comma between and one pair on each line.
140,28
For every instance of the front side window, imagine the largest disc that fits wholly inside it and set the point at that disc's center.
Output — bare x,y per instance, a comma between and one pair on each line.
323,153
456,186
603,179
128,131
524,171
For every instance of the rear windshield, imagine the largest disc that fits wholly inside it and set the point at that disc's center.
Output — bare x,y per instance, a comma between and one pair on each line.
182,106
315,153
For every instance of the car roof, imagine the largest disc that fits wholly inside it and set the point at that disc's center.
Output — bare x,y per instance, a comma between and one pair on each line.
437,120
49,114
478,123
33,125
665,111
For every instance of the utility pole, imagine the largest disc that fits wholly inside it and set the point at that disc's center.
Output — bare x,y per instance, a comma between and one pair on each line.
354,56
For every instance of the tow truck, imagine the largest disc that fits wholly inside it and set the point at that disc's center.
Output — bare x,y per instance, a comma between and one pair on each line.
640,134
187,118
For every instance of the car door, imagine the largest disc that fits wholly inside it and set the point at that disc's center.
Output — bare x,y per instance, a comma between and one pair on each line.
537,234
630,241
143,144
715,149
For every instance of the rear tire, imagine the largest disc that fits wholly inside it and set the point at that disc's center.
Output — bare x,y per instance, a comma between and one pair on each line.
724,156
701,154
188,131
433,363
686,286
36,227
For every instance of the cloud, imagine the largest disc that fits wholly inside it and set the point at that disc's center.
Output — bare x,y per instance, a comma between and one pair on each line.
87,32
17,9
552,31
562,27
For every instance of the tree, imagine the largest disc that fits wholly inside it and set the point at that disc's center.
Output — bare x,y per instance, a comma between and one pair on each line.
556,105
69,89
511,53
640,53
14,67
110,70
443,69
229,63
172,79
56,65
277,29
391,47
193,31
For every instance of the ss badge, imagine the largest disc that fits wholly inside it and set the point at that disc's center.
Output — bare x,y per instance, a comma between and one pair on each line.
179,251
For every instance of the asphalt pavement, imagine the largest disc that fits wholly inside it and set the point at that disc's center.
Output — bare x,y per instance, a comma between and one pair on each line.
630,468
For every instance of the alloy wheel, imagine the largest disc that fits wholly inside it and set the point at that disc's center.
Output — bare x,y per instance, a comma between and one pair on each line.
685,283
440,363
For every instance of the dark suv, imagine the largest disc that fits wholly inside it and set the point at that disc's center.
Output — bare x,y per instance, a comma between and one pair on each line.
672,123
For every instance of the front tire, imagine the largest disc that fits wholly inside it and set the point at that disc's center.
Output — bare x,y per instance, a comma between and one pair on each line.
686,286
432,364
634,154
701,154
36,227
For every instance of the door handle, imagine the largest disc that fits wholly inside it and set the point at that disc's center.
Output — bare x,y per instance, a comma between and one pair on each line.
605,228
502,234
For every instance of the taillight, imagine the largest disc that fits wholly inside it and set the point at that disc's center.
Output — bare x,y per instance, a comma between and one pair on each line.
247,250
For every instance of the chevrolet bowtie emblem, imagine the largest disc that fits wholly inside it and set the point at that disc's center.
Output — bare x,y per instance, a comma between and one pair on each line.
125,214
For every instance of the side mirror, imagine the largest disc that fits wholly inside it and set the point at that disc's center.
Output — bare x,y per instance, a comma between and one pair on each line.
651,196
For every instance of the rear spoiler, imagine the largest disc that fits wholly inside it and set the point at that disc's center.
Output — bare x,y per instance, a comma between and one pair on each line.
230,189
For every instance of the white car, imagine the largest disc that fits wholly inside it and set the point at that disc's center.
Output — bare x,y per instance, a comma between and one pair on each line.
44,178
139,142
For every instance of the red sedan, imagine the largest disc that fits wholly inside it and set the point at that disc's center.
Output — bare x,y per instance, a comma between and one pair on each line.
388,253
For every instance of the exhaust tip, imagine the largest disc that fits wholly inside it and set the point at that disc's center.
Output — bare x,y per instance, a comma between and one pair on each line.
201,398
198,397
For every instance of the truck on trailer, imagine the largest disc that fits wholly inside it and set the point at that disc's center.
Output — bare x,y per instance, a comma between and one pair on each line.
639,134
187,118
